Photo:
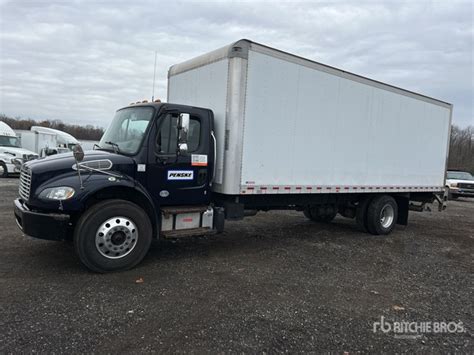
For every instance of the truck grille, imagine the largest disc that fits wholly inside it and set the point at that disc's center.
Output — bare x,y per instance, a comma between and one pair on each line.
25,183
466,186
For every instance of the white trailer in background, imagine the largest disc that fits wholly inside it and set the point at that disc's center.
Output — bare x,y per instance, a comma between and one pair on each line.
36,141
12,154
46,141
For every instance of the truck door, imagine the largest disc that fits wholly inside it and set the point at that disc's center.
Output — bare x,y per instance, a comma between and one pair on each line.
175,178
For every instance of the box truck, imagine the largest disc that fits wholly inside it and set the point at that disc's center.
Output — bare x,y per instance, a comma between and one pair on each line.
46,141
36,141
247,128
12,154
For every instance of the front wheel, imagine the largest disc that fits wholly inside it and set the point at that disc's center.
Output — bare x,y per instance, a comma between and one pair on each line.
112,235
3,170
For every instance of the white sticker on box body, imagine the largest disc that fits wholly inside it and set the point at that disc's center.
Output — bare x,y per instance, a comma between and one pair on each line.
180,174
199,160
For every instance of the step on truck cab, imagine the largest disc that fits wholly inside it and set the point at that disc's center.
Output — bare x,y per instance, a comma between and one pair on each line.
247,128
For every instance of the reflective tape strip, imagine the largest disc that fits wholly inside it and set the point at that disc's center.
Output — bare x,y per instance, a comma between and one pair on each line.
256,189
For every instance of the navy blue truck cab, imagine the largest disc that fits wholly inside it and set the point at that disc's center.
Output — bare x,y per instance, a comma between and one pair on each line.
150,175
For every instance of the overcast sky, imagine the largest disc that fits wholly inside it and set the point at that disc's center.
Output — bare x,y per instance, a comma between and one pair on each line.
79,61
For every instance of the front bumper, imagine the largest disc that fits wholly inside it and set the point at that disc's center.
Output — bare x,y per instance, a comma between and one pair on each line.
462,192
51,226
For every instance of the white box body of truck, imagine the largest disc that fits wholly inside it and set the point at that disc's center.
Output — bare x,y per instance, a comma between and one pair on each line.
285,124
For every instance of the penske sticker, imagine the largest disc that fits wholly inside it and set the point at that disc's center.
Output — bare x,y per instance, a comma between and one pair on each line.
180,174
199,160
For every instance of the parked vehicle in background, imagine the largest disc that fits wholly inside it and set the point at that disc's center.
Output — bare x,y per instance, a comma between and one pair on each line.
460,184
46,152
39,138
36,141
12,155
63,139
247,128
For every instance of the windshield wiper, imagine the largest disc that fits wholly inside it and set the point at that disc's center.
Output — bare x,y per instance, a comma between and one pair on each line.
115,145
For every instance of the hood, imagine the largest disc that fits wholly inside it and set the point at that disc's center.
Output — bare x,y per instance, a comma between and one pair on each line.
459,181
64,162
19,152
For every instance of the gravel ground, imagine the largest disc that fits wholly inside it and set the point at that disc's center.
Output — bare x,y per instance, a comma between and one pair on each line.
275,282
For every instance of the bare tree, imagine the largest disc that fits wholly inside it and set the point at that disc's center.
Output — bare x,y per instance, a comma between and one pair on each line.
88,132
461,149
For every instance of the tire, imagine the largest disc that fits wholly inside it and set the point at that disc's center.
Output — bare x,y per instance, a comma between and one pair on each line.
382,214
312,215
112,235
361,213
3,170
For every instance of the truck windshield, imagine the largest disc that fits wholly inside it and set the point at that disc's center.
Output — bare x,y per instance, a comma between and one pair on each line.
9,141
460,175
126,131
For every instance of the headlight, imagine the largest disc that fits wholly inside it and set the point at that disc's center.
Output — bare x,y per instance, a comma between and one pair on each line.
453,184
57,193
17,161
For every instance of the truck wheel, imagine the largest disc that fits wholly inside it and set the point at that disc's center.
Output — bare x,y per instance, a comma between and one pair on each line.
361,213
312,214
382,215
112,235
3,170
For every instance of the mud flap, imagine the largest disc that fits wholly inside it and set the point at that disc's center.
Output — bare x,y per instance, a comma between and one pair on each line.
403,207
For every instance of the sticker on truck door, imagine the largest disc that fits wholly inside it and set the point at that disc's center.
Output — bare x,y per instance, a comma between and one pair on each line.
199,160
180,174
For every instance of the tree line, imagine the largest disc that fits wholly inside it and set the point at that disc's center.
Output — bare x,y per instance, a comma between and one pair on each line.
87,132
461,149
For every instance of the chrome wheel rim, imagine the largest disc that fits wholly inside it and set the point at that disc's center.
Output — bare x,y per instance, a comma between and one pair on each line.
387,216
116,237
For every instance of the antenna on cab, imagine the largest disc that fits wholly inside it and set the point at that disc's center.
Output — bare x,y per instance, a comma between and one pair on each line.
154,76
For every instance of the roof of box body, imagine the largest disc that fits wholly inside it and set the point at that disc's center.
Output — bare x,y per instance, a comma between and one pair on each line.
241,49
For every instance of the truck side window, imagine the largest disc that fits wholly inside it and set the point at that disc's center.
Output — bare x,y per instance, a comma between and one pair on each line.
167,139
194,134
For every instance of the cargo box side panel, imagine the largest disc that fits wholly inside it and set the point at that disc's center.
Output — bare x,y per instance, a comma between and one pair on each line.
305,127
206,87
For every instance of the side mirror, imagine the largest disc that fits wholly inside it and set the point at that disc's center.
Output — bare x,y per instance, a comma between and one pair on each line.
78,153
183,129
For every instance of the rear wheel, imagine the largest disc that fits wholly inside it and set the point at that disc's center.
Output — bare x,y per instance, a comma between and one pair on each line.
3,170
361,213
382,214
314,214
112,235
